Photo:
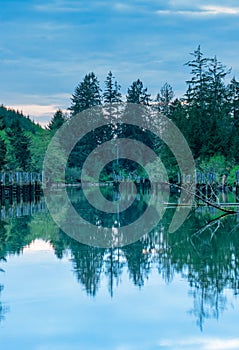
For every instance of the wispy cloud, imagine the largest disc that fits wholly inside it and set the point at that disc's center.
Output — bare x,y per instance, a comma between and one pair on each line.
40,114
220,10
122,7
48,46
60,6
64,6
202,344
181,12
201,11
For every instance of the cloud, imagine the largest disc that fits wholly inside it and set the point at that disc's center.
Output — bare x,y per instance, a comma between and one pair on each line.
220,10
39,113
122,7
202,344
201,11
60,6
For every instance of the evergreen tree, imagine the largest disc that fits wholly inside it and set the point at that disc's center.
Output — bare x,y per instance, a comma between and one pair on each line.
57,120
86,95
138,94
3,151
196,101
2,122
20,155
10,116
233,100
197,85
178,114
206,106
233,97
218,109
216,86
164,98
112,90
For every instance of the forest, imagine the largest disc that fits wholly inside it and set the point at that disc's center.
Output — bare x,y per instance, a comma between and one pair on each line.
207,115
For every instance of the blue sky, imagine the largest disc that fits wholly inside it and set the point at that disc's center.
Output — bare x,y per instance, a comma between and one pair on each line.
46,47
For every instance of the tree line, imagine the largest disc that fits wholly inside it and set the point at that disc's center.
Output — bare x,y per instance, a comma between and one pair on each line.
207,115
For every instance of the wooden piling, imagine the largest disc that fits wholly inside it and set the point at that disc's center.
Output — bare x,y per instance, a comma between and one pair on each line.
19,185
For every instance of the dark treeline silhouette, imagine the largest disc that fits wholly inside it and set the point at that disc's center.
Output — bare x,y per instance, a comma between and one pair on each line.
207,114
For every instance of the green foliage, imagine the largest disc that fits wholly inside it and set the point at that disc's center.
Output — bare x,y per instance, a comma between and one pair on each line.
112,90
231,179
206,105
22,143
72,175
38,147
58,119
3,152
164,98
10,116
208,117
138,94
19,151
217,164
86,95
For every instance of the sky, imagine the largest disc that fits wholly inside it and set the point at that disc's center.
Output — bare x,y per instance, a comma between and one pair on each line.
47,46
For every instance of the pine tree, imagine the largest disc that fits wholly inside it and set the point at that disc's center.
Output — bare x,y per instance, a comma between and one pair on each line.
138,94
164,98
216,86
3,151
233,100
233,96
86,95
198,83
217,108
112,90
2,122
206,106
57,120
20,157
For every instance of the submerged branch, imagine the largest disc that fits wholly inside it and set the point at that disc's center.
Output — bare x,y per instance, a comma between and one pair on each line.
206,201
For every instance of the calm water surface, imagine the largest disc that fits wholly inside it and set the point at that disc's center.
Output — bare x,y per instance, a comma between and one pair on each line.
166,291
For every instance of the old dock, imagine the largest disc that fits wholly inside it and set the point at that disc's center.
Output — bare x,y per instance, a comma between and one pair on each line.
19,186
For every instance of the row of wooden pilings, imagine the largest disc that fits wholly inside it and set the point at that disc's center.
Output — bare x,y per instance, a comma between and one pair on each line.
19,186
20,209
205,182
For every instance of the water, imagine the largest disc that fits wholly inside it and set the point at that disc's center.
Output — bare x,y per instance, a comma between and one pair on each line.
166,291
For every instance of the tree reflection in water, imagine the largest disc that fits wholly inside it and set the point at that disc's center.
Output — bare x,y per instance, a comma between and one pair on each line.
205,251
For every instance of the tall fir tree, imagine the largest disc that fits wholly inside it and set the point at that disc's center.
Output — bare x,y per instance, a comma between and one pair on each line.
138,94
3,152
112,92
206,106
57,121
233,101
164,98
86,94
197,85
2,122
216,86
217,108
20,155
